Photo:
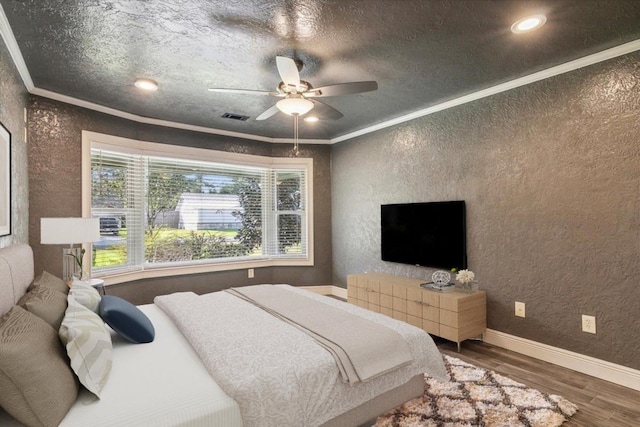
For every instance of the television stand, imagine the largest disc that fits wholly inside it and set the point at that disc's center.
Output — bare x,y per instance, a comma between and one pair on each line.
450,314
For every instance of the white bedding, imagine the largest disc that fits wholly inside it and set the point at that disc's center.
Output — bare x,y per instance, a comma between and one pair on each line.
279,375
162,383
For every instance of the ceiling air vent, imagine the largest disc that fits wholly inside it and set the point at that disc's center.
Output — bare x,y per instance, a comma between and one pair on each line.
235,117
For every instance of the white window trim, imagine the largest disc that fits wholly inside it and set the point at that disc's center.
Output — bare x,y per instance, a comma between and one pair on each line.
106,142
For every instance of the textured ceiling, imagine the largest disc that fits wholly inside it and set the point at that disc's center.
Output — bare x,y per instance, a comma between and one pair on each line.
421,53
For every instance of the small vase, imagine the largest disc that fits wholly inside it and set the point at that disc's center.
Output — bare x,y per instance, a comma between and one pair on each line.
80,275
467,288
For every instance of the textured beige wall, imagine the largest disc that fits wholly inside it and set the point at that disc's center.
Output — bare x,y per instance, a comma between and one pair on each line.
54,177
13,101
551,177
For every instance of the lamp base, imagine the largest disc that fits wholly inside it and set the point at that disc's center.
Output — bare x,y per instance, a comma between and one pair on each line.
70,268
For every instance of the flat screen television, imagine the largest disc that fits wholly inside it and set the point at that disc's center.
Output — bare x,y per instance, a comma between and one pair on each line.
429,234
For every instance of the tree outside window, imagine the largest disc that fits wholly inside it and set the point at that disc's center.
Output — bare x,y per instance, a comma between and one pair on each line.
173,210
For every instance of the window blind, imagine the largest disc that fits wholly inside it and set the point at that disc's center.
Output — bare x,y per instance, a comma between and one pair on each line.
117,199
179,211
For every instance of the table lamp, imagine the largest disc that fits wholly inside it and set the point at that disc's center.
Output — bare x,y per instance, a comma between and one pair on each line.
62,231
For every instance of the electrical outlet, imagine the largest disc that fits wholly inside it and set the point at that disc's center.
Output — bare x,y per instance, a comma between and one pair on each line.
250,273
589,324
519,309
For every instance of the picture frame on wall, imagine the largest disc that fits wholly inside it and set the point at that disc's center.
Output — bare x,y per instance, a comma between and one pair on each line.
5,181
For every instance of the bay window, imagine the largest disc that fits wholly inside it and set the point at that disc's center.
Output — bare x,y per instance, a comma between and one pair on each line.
167,209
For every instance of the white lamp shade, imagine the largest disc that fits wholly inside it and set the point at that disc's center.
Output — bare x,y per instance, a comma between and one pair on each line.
293,106
57,231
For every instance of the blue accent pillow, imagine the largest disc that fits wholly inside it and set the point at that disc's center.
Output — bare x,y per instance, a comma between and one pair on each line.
126,319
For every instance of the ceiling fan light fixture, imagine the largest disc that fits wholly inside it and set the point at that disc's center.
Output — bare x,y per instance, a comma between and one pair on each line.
528,23
294,106
311,119
146,84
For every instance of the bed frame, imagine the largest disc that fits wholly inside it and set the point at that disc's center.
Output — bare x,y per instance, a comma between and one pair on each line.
17,273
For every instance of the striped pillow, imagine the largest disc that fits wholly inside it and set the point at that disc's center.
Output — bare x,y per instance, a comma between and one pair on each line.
88,345
85,294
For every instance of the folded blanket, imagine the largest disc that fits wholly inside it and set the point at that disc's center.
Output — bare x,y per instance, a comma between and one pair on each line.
362,349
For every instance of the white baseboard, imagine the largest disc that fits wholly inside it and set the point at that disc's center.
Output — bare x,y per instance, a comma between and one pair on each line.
588,365
339,292
598,368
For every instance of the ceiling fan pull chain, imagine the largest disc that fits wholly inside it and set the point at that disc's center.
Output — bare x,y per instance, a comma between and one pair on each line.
296,151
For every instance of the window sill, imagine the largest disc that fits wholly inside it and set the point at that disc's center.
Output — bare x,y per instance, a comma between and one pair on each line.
184,270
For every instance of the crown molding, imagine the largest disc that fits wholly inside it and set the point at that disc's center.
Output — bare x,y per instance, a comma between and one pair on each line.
14,50
157,122
503,87
18,60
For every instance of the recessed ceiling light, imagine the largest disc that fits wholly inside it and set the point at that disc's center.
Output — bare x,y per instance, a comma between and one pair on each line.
311,119
529,23
146,84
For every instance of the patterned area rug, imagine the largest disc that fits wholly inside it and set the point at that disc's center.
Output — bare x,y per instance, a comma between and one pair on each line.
479,397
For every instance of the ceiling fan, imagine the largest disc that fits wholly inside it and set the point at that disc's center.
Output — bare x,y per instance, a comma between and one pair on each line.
299,96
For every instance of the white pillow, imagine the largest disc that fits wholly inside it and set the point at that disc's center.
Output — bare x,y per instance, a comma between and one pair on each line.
88,345
85,294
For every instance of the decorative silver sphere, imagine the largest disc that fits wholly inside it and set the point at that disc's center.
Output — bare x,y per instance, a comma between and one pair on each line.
441,277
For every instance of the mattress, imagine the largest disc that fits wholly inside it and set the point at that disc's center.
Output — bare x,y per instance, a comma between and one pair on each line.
162,383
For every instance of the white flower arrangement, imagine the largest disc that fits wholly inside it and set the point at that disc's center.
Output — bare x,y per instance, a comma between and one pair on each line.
465,276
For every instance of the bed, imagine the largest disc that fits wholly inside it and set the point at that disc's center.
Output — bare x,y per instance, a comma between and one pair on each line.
183,378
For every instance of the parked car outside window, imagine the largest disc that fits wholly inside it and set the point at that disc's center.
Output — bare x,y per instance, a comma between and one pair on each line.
109,225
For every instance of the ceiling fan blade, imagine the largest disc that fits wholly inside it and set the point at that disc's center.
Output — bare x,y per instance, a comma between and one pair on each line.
342,89
325,111
243,91
288,71
268,113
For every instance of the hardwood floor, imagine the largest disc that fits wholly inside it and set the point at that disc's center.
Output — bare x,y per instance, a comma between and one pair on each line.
600,403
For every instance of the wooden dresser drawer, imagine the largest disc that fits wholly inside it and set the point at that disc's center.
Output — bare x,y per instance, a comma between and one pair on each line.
386,301
453,315
431,327
400,304
399,315
386,288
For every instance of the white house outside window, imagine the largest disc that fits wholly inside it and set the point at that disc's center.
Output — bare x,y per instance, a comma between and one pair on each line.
174,210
